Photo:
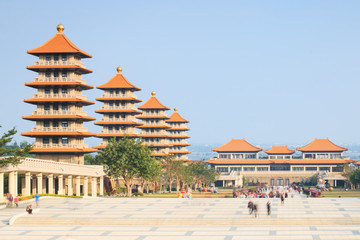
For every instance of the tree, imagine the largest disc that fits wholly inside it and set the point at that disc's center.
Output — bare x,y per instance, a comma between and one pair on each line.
126,158
355,177
90,160
13,154
202,174
170,168
348,171
149,173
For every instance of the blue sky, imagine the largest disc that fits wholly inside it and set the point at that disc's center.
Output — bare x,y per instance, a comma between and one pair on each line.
274,72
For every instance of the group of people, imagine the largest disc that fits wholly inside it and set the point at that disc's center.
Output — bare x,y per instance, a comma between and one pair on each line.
10,200
253,208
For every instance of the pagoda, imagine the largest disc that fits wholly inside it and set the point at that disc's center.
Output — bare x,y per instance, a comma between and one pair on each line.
118,110
154,131
280,152
177,136
59,101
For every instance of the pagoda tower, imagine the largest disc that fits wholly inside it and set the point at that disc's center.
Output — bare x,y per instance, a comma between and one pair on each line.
118,110
177,136
154,131
59,133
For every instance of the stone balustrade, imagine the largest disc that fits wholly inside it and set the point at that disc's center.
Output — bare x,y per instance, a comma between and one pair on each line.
58,112
58,129
58,95
58,79
61,63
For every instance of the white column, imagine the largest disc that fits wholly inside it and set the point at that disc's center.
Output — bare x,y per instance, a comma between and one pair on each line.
102,186
77,185
93,187
51,183
39,183
34,185
15,184
86,186
70,185
2,199
60,184
11,183
27,184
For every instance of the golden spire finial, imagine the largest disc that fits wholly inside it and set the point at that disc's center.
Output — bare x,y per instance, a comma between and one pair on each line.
153,93
119,70
60,28
175,109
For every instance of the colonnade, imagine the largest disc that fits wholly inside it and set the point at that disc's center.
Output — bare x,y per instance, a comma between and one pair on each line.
30,183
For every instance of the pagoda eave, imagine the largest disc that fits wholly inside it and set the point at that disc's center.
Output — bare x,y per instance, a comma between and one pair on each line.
181,144
116,135
118,111
118,123
83,134
37,68
179,129
157,145
104,99
152,117
154,126
153,136
179,136
39,117
172,121
41,100
184,152
41,84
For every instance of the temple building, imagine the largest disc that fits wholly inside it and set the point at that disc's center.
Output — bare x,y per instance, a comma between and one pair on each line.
280,152
238,161
154,128
59,101
178,136
322,149
119,109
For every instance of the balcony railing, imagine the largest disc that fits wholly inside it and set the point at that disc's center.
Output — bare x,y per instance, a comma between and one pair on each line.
58,95
58,129
118,120
118,108
52,62
58,112
120,95
41,145
119,132
59,79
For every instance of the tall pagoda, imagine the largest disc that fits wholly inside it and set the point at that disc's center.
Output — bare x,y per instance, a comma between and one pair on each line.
59,101
154,131
178,136
118,110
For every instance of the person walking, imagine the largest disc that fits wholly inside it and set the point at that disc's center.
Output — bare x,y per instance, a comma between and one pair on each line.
255,210
268,206
282,199
29,209
37,199
11,199
250,207
16,201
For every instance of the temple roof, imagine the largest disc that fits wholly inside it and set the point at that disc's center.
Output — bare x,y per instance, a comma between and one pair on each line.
59,44
238,145
280,150
176,117
153,103
119,81
266,161
322,145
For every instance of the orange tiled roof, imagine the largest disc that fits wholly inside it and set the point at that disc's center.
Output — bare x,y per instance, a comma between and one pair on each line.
153,103
120,82
35,117
61,150
153,117
118,111
36,84
59,44
181,144
83,70
296,161
176,117
357,163
155,126
84,134
322,145
117,123
238,145
36,100
280,150
116,135
103,99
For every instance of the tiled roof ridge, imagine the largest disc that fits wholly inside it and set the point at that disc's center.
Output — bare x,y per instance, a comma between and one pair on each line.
311,147
234,144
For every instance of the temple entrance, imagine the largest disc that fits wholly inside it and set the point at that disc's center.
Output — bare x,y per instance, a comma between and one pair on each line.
280,182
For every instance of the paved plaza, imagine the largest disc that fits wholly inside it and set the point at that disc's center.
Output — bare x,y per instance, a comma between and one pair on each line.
209,218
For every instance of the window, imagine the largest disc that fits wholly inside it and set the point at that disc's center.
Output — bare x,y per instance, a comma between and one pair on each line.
298,168
311,168
117,115
55,141
323,156
47,123
64,106
110,128
111,115
117,103
312,156
64,124
56,74
117,92
55,106
123,91
64,91
335,156
46,140
111,92
111,103
48,58
238,169
47,90
280,168
47,74
324,169
223,169
250,156
55,124
64,140
262,169
56,57
64,57
56,90
249,169
117,128
337,169
64,74
123,115
123,127
46,106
